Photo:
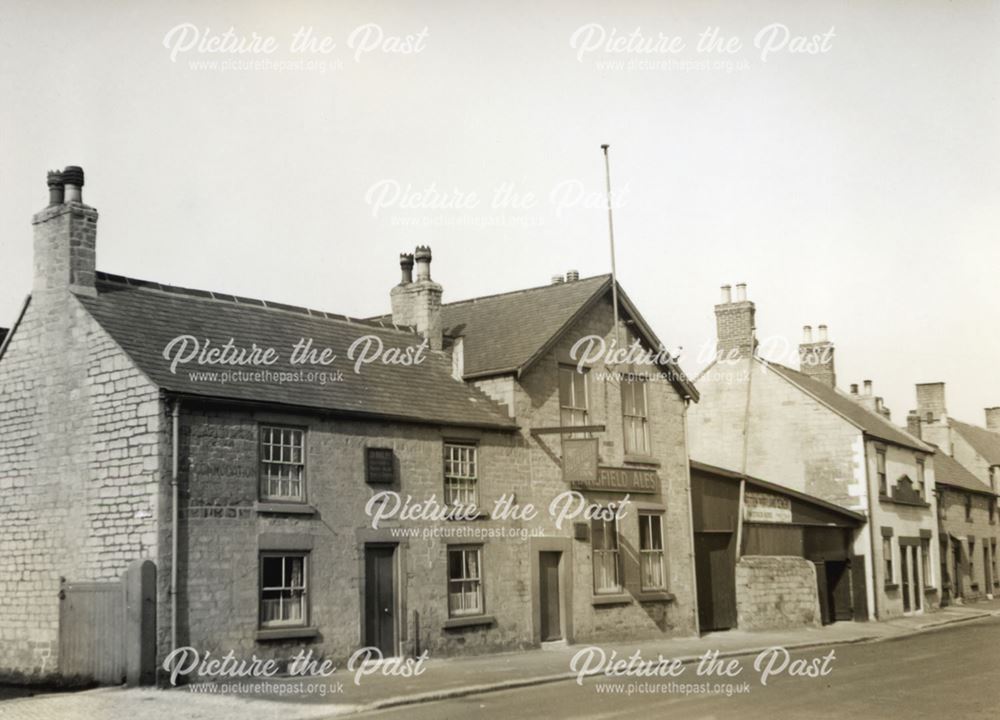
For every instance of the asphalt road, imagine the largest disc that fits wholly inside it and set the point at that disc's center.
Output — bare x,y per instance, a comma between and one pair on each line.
952,672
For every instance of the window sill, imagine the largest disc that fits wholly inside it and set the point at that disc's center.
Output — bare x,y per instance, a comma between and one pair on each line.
907,503
891,586
289,633
655,596
616,599
641,459
471,621
929,590
284,508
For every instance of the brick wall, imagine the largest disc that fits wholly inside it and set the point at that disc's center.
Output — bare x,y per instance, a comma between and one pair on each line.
79,471
776,592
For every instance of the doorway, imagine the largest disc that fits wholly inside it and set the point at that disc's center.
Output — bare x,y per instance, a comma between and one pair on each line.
380,598
715,574
834,578
548,591
911,584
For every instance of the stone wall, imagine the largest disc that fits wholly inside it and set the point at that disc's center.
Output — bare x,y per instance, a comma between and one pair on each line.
79,471
775,592
951,503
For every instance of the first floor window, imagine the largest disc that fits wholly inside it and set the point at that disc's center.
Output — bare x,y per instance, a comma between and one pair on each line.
651,551
283,590
282,463
607,567
883,483
920,477
925,560
573,401
461,474
887,559
465,581
635,417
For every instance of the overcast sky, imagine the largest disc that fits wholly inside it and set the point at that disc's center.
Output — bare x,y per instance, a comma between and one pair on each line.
855,186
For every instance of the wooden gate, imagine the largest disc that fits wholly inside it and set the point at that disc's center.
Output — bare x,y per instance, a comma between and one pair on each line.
92,632
107,630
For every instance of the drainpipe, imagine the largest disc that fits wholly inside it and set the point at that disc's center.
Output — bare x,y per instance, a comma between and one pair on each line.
175,419
871,530
687,470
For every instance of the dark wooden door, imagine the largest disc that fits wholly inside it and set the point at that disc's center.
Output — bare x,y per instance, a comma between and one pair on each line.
859,587
838,584
380,599
548,592
825,600
715,573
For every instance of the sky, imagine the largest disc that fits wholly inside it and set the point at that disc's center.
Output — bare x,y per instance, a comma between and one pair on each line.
843,160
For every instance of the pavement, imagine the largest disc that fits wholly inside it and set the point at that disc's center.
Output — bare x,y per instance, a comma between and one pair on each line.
339,694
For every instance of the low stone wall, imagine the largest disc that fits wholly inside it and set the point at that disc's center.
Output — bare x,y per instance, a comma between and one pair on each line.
776,592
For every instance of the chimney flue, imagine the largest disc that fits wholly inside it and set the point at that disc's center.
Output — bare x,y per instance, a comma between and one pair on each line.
993,419
854,388
572,276
807,334
557,279
727,295
406,268
822,333
868,387
741,292
72,178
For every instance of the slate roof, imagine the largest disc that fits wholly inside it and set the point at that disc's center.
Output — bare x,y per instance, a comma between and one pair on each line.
506,333
985,442
3,334
143,317
869,422
948,471
502,333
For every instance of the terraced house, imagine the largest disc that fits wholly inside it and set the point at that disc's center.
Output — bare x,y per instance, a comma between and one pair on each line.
795,429
264,478
968,462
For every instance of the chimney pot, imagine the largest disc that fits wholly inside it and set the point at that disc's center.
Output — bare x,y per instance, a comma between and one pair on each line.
72,178
993,419
807,334
854,388
422,257
557,279
57,189
868,387
406,266
727,295
741,292
572,276
822,333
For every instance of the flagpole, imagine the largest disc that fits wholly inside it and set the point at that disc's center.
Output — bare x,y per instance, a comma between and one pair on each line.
611,234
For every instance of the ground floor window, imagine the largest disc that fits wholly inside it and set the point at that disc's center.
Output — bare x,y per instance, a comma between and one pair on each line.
993,559
465,580
607,565
887,560
283,590
651,551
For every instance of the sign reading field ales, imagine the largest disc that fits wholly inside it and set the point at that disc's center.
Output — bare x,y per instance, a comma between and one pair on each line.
765,507
620,480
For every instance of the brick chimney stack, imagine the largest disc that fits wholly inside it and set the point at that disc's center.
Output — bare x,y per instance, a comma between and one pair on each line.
816,357
65,237
993,419
930,402
734,322
417,302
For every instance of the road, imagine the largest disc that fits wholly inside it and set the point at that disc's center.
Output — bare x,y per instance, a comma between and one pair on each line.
952,672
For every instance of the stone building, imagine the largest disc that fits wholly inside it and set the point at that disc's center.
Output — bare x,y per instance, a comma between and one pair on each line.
283,468
967,470
795,429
